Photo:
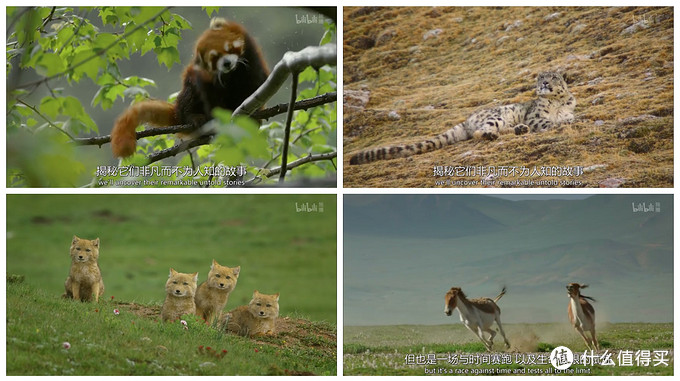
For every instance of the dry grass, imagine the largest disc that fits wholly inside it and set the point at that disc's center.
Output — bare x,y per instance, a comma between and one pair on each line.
623,82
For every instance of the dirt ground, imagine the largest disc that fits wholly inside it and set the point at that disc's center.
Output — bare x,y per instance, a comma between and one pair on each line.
289,332
413,72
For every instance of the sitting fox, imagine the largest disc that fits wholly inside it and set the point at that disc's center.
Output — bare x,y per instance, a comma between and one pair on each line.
179,295
213,294
257,318
84,279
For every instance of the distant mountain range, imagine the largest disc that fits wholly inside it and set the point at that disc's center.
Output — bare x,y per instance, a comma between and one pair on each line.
534,247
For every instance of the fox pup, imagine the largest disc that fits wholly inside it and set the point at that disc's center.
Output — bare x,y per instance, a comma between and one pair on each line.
179,295
257,318
84,279
227,68
212,295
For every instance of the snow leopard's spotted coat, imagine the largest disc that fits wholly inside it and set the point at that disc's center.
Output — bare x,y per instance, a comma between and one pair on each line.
553,106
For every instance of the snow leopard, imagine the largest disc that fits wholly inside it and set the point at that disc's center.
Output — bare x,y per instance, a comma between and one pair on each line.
554,105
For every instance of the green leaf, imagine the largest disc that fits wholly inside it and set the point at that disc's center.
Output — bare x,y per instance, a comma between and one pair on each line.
307,75
144,14
167,56
89,68
115,91
329,33
108,15
181,22
50,64
137,38
211,10
301,117
27,29
50,106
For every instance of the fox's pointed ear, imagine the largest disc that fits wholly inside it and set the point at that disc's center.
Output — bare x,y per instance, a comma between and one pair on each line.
172,272
583,286
214,262
96,242
75,239
195,276
277,297
256,293
237,270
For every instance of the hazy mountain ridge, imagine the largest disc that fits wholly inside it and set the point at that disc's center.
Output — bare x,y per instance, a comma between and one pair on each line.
533,247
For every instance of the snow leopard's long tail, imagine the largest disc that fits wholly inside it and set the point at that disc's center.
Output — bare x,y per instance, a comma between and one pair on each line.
455,134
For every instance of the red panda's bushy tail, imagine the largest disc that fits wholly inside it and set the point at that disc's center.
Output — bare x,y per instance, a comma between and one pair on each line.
153,112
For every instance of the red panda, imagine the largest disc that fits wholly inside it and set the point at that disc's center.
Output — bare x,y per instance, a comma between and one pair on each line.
227,68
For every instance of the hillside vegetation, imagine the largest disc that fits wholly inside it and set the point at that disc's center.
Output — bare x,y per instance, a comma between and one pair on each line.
412,73
382,350
47,335
142,236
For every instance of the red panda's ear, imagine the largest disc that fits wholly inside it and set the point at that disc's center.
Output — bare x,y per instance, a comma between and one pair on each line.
217,23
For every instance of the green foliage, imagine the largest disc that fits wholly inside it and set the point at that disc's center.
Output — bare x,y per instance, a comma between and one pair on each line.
80,44
64,43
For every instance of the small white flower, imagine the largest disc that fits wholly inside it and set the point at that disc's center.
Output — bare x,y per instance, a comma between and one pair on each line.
116,312
66,345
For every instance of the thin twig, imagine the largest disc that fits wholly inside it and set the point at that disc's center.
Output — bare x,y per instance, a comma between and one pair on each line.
35,110
304,160
299,105
174,150
289,120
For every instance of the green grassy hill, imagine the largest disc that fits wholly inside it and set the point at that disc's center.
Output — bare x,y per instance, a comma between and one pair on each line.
435,66
133,342
279,247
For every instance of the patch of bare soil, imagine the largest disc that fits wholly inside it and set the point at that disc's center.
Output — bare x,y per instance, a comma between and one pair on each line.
148,312
413,72
290,332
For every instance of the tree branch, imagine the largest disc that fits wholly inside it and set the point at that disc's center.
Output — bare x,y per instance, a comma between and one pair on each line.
101,140
263,114
289,120
174,150
292,62
299,105
304,160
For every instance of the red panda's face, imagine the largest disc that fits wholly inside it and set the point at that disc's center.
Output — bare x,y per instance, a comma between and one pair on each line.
221,47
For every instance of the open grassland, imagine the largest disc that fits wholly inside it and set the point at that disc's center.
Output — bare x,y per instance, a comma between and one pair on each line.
279,247
383,350
433,67
133,342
